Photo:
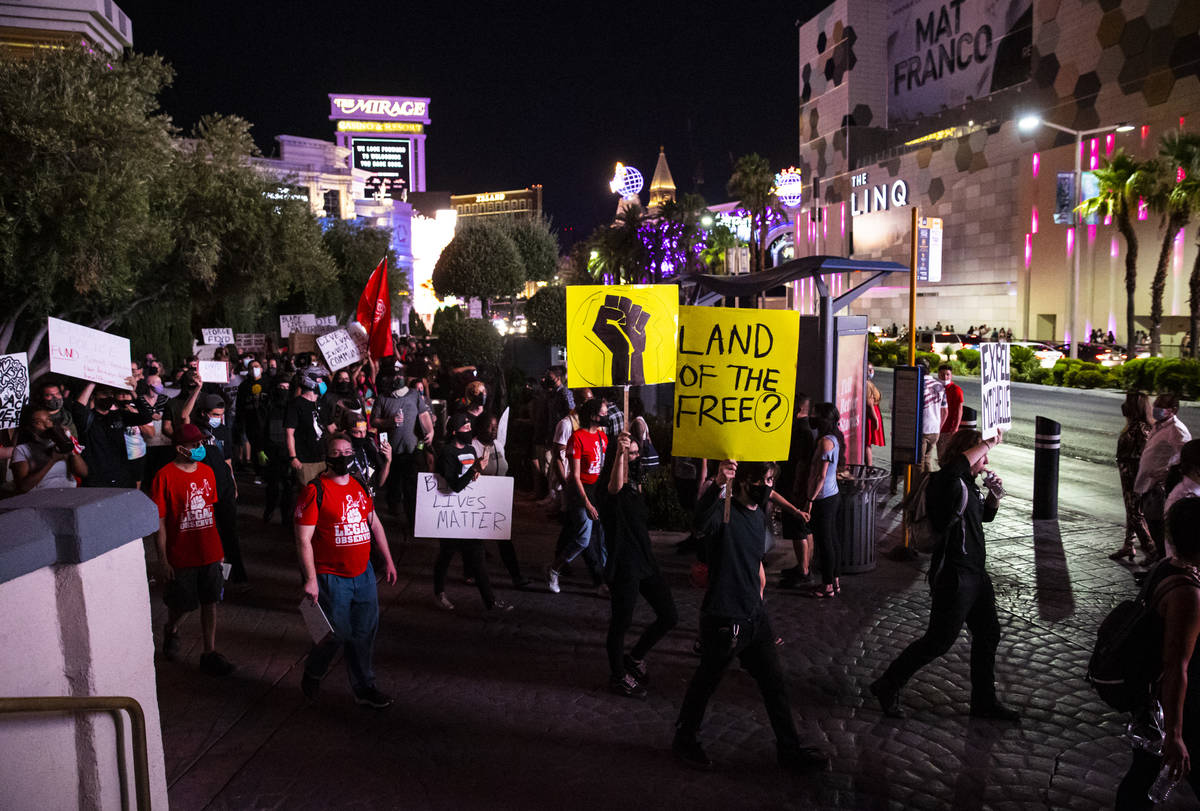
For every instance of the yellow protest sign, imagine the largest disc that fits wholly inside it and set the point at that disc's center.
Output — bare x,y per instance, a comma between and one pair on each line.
735,383
621,335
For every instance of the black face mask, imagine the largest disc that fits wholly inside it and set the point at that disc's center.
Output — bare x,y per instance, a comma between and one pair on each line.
338,465
548,384
637,471
759,493
477,399
358,442
103,404
464,435
53,403
343,387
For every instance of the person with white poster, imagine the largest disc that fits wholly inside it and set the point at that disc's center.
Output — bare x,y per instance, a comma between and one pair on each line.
489,445
995,389
457,466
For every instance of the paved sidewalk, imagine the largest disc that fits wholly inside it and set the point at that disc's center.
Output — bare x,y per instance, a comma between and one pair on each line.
513,712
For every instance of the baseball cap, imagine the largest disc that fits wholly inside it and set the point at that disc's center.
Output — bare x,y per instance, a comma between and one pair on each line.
187,434
459,420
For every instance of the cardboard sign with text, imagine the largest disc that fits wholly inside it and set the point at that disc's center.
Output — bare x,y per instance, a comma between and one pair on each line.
301,342
88,354
621,335
735,382
250,341
214,371
995,388
483,509
296,323
339,349
14,388
327,321
217,336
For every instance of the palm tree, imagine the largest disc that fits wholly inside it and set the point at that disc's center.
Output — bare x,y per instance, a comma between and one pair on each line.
1173,201
677,231
1189,187
753,184
619,250
1124,181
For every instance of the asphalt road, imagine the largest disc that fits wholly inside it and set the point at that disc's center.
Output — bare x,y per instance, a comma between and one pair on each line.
1091,419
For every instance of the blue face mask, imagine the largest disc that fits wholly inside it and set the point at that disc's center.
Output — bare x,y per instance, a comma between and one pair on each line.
322,388
215,422
197,454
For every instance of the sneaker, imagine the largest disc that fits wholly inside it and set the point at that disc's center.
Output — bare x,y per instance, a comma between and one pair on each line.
441,602
170,645
214,664
689,752
552,580
626,686
889,698
803,760
371,697
635,668
500,605
996,711
310,686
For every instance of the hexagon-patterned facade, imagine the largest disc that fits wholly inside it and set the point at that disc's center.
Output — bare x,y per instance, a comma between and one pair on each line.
1092,64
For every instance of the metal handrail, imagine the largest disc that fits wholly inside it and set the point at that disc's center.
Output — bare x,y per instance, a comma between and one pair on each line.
113,704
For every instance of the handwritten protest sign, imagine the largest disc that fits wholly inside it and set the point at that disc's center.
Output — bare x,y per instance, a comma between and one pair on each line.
735,382
621,334
300,342
217,336
327,321
296,323
14,388
250,341
995,387
339,349
214,371
88,353
483,509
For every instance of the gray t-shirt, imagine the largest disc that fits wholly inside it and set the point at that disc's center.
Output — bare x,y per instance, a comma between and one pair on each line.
36,455
403,437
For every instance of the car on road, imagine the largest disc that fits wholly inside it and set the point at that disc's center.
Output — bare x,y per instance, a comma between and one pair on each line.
1046,354
1103,354
939,342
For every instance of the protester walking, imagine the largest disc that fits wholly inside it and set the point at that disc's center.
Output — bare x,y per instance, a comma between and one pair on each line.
632,569
1130,444
584,533
733,619
961,589
1166,440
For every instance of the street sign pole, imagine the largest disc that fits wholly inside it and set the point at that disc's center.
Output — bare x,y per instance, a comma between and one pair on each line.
912,341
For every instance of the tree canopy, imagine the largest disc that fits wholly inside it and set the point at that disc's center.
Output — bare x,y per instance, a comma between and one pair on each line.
546,312
481,260
537,246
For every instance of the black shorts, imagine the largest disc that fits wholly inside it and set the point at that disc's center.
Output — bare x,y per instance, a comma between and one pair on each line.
193,587
794,527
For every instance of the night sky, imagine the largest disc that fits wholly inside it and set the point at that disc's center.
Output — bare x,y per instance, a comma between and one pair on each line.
521,93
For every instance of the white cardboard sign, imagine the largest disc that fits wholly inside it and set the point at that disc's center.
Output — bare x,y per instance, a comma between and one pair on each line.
14,388
339,349
217,336
88,354
327,321
250,341
482,510
214,371
296,323
995,388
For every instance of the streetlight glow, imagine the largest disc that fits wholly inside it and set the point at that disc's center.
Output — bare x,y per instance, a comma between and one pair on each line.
1125,127
1029,123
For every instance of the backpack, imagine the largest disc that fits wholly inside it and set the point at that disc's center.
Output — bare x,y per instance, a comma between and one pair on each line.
921,533
1126,660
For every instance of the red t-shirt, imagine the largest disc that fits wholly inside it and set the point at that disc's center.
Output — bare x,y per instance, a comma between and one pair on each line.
186,501
589,447
954,401
342,538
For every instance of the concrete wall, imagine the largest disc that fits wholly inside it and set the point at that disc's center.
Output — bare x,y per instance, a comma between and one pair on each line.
79,626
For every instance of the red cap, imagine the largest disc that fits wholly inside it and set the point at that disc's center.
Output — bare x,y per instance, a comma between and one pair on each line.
187,434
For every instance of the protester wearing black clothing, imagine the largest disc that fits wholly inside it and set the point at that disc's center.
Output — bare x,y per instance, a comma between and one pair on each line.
303,430
962,590
102,434
631,570
278,473
793,481
733,619
458,466
252,401
218,455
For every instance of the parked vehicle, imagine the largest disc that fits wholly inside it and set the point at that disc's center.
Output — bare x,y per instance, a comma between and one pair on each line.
939,342
1046,354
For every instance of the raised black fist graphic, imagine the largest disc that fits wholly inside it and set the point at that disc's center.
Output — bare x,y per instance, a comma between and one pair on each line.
621,327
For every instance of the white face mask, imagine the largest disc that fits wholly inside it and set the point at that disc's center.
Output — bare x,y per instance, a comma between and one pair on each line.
256,372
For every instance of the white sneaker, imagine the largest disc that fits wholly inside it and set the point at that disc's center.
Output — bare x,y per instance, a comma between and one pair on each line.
441,602
552,580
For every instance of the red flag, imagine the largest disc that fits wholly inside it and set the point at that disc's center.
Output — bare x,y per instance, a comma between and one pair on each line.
375,312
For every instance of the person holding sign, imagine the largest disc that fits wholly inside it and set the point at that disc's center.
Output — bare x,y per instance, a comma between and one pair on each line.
733,618
632,569
458,466
335,524
962,590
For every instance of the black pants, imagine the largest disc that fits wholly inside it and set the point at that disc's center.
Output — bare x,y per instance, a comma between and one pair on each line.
959,596
625,589
825,536
280,490
754,645
1145,767
401,485
472,554
225,516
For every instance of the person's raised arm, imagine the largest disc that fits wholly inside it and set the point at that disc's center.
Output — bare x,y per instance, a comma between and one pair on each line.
1181,615
620,469
85,394
977,452
710,508
185,413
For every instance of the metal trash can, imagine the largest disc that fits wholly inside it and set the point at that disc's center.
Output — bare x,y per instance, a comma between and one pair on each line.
856,518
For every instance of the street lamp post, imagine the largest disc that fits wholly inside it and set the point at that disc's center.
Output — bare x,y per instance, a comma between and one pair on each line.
1028,124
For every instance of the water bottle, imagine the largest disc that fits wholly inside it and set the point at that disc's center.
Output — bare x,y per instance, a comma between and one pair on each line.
1164,784
1145,730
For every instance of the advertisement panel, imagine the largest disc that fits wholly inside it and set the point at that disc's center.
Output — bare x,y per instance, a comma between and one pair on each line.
849,398
943,54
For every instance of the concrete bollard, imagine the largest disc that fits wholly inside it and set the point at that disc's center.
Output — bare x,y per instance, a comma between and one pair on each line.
1047,443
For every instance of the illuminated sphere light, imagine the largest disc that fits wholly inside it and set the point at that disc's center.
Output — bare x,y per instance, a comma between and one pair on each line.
789,187
627,181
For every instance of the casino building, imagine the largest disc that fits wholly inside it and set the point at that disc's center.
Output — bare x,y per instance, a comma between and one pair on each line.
917,102
524,203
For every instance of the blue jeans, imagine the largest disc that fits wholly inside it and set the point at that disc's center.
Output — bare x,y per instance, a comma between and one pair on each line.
586,536
352,606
